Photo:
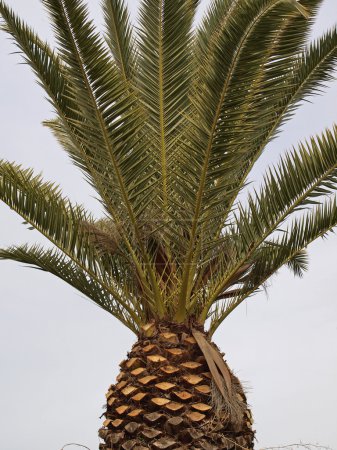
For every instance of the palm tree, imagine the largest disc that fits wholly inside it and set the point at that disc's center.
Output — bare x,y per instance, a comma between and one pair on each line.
166,122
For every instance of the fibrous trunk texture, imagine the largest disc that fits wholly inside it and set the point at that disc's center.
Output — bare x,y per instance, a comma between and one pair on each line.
167,398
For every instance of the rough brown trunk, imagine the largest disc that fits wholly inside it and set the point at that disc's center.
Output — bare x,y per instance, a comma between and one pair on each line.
166,398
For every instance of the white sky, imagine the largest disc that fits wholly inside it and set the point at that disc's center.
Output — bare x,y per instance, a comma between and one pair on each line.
59,353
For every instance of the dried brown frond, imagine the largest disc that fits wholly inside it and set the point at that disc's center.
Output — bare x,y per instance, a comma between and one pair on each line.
104,234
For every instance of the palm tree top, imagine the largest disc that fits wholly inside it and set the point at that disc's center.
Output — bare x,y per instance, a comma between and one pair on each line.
166,121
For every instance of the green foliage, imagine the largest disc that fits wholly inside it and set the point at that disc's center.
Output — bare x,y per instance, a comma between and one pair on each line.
119,36
166,121
57,264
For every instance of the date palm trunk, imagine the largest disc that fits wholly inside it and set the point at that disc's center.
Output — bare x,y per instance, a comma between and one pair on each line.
166,397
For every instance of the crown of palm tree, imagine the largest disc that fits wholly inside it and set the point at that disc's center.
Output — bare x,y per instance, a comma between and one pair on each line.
166,122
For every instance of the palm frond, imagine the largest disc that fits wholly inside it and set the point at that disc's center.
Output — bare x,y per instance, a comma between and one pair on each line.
213,22
119,35
111,121
279,38
299,181
54,79
284,40
286,250
41,205
57,264
164,76
98,90
166,121
211,170
308,76
299,263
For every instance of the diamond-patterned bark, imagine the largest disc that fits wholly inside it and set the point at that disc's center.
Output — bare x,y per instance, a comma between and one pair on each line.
164,399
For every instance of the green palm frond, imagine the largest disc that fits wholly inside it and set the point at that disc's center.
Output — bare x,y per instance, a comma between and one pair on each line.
120,38
274,50
254,117
43,207
33,199
57,264
111,120
287,250
299,181
299,263
308,76
285,40
100,93
164,76
213,22
212,170
53,78
72,230
166,121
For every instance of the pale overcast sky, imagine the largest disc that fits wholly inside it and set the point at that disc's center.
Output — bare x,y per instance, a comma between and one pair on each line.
59,353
